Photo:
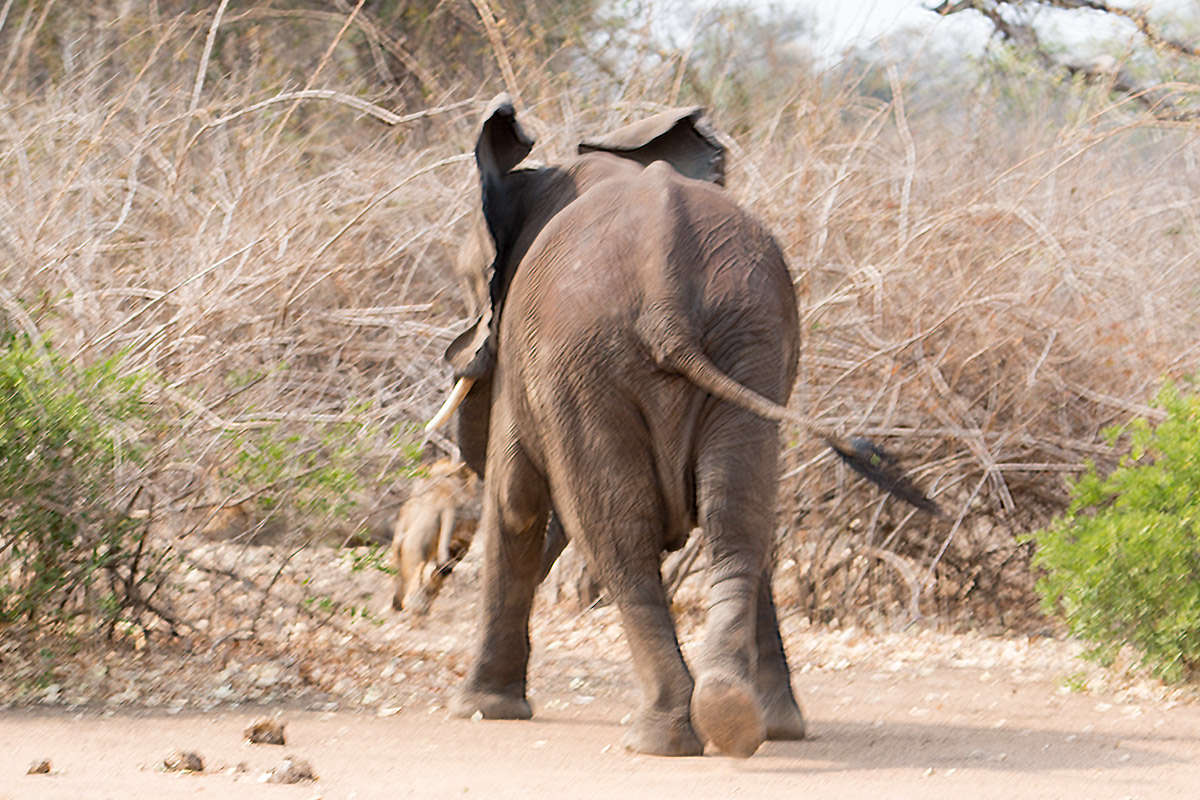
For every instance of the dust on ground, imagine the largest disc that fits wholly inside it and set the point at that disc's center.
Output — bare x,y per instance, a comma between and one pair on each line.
363,692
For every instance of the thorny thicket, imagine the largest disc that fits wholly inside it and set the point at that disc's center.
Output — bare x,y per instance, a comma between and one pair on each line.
985,283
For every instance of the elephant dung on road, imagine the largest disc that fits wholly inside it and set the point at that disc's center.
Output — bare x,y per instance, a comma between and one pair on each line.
628,374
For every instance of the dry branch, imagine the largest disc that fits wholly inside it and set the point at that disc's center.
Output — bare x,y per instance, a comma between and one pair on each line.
1158,99
983,304
211,39
492,26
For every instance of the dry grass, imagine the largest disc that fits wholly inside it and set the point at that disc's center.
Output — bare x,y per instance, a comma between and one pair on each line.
272,256
984,300
981,293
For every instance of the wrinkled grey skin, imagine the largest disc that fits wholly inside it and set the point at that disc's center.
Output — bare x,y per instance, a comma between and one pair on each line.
618,290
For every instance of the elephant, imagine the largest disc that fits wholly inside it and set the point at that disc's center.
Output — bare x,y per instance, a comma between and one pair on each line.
625,382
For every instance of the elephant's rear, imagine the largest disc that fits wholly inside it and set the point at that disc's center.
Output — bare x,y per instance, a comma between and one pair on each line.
647,325
660,255
641,273
635,279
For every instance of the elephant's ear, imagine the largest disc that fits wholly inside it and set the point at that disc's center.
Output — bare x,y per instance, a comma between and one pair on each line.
472,353
682,137
501,145
502,141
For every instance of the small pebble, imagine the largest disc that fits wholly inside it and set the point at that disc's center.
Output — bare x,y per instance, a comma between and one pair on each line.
265,731
292,770
183,761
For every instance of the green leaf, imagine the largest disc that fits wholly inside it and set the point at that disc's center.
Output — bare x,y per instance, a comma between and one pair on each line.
1122,565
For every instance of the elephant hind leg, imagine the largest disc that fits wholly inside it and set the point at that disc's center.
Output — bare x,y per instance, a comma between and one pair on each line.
663,725
735,481
783,716
727,712
622,550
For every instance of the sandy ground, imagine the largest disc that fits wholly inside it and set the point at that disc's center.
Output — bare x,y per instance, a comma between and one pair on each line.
964,732
917,713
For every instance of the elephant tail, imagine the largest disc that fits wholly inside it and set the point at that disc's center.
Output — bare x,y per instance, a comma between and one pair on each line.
863,456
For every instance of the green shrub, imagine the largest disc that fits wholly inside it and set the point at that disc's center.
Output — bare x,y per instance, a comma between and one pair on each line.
64,434
1123,564
311,478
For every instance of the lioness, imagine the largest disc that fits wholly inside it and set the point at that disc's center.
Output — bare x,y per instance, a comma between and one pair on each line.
432,532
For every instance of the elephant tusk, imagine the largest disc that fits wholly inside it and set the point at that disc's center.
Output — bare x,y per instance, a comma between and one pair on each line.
451,405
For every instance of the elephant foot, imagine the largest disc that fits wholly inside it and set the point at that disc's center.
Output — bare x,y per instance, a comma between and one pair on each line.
658,734
728,714
491,705
784,720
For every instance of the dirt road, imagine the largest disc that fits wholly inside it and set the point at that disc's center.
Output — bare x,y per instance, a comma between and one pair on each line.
914,713
953,732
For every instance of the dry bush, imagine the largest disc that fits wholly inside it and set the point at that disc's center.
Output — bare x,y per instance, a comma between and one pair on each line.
982,291
983,298
263,228
275,261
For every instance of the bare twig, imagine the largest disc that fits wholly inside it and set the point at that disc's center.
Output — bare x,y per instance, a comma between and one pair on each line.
357,103
1154,98
211,39
910,156
98,138
312,78
492,27
296,292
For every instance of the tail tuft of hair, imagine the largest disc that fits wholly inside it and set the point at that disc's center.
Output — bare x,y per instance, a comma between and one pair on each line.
882,469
